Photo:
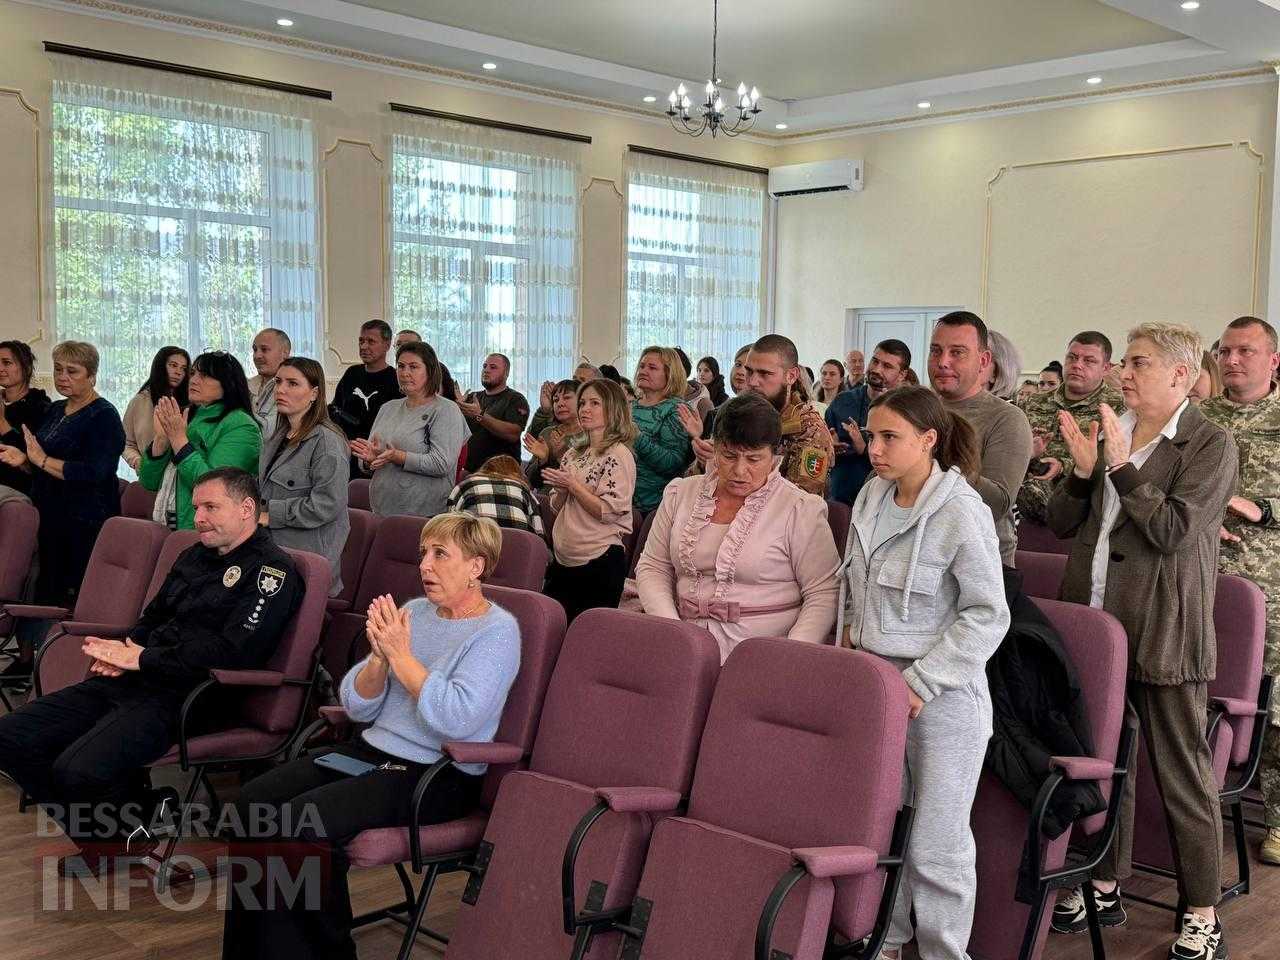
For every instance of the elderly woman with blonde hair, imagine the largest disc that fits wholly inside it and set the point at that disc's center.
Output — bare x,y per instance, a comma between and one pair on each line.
1006,366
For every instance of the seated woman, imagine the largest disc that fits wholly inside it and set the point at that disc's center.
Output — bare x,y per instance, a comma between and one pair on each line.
592,499
742,551
218,430
304,469
415,441
662,448
21,405
547,446
709,376
499,491
439,670
168,379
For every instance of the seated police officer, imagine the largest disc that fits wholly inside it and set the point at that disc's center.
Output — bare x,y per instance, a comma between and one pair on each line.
81,752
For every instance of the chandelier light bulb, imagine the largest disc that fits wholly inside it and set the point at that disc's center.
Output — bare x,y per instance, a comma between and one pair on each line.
685,103
682,90
719,105
672,99
742,90
755,94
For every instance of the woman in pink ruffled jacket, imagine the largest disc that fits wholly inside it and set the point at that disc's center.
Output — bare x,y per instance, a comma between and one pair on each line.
742,551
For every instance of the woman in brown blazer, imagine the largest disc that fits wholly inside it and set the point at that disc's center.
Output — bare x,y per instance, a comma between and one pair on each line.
1145,505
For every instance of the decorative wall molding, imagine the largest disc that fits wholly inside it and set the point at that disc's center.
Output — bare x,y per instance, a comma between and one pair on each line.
42,331
1244,145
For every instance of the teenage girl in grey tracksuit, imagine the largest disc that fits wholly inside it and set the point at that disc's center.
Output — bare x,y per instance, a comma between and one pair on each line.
922,587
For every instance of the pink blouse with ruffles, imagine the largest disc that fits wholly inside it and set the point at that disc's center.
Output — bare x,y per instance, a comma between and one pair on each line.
773,574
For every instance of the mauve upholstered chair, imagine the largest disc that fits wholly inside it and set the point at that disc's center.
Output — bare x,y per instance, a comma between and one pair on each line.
137,501
1041,573
1038,538
522,564
355,553
19,525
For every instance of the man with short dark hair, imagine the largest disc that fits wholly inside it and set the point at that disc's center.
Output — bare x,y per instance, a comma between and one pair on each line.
846,418
408,336
497,414
773,369
1082,391
959,370
365,386
82,751
1249,409
271,347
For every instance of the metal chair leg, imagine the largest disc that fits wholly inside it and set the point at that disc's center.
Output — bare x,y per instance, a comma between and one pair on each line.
419,911
1091,914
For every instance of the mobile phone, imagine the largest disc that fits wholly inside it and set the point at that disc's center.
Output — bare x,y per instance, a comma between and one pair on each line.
344,764
1039,468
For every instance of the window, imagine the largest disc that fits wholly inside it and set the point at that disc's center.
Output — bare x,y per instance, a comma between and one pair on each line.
695,264
183,213
485,248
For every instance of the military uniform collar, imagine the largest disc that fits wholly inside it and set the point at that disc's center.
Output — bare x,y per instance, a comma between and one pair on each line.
1268,399
793,414
1093,398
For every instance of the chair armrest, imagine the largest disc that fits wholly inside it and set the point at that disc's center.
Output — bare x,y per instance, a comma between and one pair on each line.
825,862
462,751
1233,706
1083,768
87,628
31,611
248,678
639,799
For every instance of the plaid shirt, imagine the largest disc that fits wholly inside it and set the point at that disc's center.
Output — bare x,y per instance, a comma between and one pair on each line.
507,503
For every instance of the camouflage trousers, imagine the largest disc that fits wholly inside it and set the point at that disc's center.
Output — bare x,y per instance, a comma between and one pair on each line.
1269,768
1033,500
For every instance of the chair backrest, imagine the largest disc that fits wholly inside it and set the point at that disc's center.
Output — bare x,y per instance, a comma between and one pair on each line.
542,626
355,553
1240,622
641,539
119,572
19,524
174,544
627,702
803,747
629,542
544,510
1041,573
839,515
523,561
392,564
358,493
137,501
1040,539
276,710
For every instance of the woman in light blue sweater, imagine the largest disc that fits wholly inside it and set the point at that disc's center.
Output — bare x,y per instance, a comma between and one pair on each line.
922,586
439,671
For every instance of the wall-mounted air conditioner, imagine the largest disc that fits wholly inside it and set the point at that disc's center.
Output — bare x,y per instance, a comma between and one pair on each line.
825,176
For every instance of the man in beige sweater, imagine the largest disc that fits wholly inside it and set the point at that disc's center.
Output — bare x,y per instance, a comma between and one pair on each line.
959,366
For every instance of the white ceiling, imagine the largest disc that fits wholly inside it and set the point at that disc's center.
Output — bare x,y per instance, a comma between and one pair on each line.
820,64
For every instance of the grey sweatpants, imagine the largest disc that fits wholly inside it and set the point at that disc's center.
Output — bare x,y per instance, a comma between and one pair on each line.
946,745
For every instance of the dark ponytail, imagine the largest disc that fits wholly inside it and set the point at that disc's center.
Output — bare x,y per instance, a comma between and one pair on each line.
957,444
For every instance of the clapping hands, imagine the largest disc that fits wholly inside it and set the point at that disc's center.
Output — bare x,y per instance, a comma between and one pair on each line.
388,629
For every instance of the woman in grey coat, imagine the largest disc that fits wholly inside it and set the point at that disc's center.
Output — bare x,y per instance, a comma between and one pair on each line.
922,587
415,442
304,468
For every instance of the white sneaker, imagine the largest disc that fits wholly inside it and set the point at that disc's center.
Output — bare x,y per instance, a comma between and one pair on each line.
1201,939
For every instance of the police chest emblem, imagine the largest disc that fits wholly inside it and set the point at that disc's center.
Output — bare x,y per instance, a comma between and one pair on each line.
270,580
231,577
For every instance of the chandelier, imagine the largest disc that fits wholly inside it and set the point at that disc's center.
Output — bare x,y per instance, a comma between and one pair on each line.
710,114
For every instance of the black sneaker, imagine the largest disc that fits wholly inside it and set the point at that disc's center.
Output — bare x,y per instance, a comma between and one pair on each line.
1201,939
1069,915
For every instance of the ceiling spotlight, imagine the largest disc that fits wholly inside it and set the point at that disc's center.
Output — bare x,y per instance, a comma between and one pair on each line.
1191,5
779,126
924,105
650,99
284,22
1093,81
490,65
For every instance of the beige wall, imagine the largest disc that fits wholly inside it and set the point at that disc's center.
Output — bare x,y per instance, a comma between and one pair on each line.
1103,243
352,172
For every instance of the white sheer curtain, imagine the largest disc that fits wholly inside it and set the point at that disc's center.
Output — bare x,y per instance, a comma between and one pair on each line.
695,257
183,211
485,242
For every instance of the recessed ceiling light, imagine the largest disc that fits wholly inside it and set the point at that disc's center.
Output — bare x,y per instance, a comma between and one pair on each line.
284,22
1191,5
650,99
490,65
924,105
1094,81
779,126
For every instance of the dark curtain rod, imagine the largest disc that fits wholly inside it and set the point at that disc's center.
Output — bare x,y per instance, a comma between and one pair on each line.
652,152
106,56
485,122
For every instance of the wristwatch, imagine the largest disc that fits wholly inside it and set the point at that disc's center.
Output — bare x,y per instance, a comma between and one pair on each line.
1265,507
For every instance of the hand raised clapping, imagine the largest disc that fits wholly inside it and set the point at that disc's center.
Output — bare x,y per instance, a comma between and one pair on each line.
690,420
1084,449
171,421
12,456
388,629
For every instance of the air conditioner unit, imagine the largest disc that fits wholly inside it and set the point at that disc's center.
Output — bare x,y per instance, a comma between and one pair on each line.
825,176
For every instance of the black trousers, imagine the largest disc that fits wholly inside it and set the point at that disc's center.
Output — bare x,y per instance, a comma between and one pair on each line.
597,583
317,811
82,752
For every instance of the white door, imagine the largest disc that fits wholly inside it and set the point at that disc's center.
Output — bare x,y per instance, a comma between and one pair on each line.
911,325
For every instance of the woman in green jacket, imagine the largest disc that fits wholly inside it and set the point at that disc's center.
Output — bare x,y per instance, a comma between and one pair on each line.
217,430
662,446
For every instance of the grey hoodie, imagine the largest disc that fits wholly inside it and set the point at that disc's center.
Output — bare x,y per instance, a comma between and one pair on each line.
933,593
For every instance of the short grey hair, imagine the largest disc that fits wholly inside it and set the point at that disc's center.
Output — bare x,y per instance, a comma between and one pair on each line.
1178,344
1007,364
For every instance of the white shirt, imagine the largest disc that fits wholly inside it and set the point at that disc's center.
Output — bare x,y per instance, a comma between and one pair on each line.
1111,500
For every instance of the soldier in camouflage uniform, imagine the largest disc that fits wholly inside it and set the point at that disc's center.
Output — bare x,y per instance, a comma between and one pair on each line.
1080,393
807,450
1250,411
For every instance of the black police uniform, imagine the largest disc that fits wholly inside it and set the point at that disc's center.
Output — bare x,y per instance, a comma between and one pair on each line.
88,744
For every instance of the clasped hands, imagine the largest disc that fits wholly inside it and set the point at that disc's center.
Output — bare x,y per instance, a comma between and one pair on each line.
375,455
388,630
110,657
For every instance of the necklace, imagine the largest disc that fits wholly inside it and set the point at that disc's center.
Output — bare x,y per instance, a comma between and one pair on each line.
470,611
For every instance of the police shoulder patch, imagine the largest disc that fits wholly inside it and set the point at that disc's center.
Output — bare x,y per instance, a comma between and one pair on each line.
270,580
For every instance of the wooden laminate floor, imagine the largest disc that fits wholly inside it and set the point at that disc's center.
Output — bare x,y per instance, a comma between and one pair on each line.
151,929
